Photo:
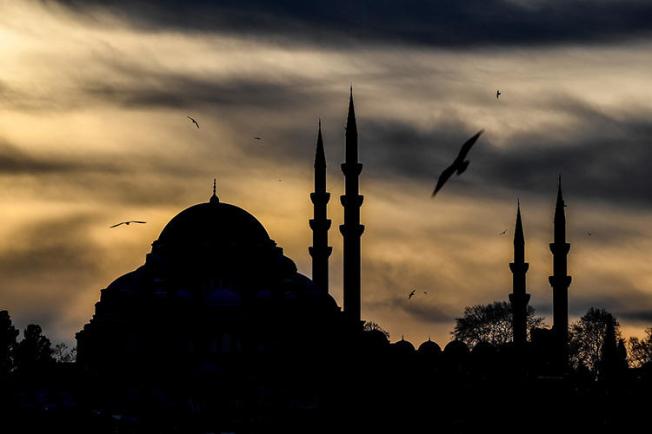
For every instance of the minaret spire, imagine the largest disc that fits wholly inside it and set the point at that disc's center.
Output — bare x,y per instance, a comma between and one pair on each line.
519,298
560,281
320,250
351,229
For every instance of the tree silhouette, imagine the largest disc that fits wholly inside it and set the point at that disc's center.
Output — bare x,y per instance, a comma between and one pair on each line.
613,358
490,323
371,326
8,334
640,350
587,338
34,352
62,353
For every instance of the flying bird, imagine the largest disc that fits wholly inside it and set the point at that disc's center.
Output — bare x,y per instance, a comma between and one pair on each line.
194,121
411,294
498,93
127,223
425,292
503,232
258,138
459,165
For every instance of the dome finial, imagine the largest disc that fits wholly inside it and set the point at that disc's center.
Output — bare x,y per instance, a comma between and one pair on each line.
214,198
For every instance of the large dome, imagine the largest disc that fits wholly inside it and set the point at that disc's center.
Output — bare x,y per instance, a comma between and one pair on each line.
213,223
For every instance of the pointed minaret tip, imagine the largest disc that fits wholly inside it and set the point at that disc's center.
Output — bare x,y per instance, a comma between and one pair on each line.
320,155
351,116
518,230
560,196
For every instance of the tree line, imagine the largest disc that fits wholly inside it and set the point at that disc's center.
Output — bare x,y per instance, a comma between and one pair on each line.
596,332
33,353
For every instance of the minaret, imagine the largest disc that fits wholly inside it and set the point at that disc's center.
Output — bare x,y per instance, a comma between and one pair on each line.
519,298
559,280
351,229
320,251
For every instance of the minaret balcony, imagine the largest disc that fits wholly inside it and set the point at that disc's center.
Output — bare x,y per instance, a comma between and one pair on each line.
320,197
323,225
559,248
355,200
351,169
354,230
320,251
560,281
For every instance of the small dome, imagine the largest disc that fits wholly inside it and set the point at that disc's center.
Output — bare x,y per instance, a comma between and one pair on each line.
429,347
456,348
403,346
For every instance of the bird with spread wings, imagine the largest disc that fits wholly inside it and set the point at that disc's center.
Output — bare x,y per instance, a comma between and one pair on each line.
127,223
193,121
459,165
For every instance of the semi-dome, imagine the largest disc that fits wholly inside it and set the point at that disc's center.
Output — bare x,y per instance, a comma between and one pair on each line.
213,223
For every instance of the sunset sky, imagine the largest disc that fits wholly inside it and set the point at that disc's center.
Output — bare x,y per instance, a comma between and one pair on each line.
94,96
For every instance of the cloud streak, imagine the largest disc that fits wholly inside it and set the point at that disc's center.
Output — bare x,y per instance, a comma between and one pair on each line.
450,24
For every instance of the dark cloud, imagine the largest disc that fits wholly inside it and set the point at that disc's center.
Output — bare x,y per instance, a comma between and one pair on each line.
46,265
447,23
606,158
14,161
136,180
160,90
644,316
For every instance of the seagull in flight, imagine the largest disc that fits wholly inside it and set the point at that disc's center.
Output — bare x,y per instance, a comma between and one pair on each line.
459,165
411,294
127,223
194,121
498,93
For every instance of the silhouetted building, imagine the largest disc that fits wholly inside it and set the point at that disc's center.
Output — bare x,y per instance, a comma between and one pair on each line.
519,298
351,229
214,289
560,280
320,224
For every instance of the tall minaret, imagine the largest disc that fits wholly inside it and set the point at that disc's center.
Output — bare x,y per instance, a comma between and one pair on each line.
351,229
560,281
320,251
519,297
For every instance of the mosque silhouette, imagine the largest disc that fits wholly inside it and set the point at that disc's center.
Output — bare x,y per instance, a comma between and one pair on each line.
215,283
218,332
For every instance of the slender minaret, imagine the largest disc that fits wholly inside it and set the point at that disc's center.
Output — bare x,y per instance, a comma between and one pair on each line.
519,297
560,281
320,251
351,229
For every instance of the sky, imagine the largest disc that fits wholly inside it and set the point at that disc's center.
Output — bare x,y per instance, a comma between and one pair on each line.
94,96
